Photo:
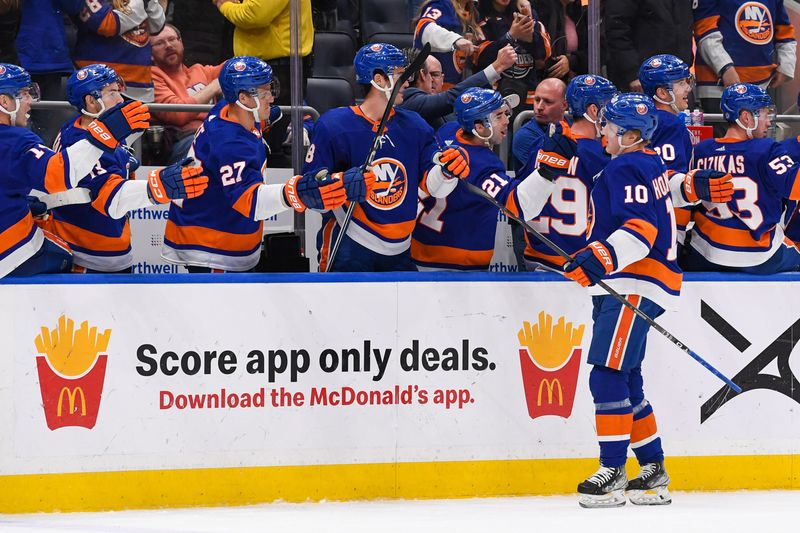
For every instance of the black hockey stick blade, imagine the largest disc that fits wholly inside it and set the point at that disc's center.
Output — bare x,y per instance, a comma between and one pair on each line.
624,301
412,69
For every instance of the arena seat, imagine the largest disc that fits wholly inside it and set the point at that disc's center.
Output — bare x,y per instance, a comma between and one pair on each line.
326,93
383,16
333,56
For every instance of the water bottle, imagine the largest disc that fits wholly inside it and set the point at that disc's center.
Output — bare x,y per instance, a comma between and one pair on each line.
697,117
687,117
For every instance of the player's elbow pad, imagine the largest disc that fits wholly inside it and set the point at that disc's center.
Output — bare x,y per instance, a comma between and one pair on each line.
533,193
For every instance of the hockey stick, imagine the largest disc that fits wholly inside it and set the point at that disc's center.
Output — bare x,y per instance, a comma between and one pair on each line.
641,314
412,69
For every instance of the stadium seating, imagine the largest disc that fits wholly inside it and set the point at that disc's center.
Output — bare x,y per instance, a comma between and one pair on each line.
333,56
383,16
326,93
400,40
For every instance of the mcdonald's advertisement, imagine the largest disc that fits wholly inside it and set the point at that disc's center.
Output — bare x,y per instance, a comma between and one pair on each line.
125,376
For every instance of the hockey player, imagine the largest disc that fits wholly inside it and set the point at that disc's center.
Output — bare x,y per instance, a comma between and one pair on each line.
458,232
667,80
221,231
27,164
97,229
745,234
564,218
378,237
633,249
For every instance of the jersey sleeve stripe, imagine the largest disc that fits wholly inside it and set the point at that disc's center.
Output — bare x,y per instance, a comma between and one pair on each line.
682,217
643,229
512,204
705,25
106,193
89,240
421,26
795,192
109,27
245,205
784,32
55,178
15,233
211,238
738,238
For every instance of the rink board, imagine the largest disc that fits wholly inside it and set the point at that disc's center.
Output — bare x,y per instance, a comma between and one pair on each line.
257,389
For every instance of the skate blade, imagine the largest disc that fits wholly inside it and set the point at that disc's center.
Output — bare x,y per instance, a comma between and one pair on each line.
657,496
612,499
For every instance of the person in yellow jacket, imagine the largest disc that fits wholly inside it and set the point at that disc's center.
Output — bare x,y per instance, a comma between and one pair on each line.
262,30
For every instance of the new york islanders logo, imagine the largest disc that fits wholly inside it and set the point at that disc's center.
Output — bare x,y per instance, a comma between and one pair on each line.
656,62
641,109
466,98
589,80
754,23
2,70
391,184
82,73
239,66
376,47
740,88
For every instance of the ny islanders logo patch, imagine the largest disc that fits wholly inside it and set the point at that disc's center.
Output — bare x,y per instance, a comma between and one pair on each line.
391,184
754,23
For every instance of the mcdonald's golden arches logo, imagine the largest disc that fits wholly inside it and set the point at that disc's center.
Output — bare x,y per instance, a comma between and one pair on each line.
72,366
550,361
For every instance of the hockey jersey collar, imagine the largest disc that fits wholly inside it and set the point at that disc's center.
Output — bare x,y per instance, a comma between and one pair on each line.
375,123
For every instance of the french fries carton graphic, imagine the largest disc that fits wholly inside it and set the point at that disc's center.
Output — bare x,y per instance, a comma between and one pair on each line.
550,356
72,368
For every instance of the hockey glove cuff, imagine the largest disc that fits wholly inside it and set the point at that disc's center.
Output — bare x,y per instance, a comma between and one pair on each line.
591,264
707,185
176,182
107,131
454,162
357,185
315,190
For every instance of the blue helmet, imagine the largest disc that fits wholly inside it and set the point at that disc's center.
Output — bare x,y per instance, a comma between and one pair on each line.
632,111
743,96
588,89
245,73
661,71
378,57
14,79
475,105
90,80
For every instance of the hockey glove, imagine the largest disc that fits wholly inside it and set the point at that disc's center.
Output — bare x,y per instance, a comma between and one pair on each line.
315,190
591,264
454,162
357,185
107,131
38,208
707,185
557,151
176,182
133,163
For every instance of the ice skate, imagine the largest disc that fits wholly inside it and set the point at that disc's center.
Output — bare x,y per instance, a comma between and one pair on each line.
604,488
650,486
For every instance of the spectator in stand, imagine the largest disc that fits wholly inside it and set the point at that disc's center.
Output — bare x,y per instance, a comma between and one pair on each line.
739,41
638,29
451,28
435,108
567,22
549,106
505,22
121,40
175,83
262,30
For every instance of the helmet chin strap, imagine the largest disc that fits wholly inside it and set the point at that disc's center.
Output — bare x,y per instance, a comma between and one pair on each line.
488,139
12,114
102,108
387,91
672,103
748,131
253,110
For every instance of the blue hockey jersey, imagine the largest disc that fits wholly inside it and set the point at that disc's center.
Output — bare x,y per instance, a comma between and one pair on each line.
564,219
746,230
673,143
342,140
443,13
458,232
218,229
631,200
98,241
28,164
